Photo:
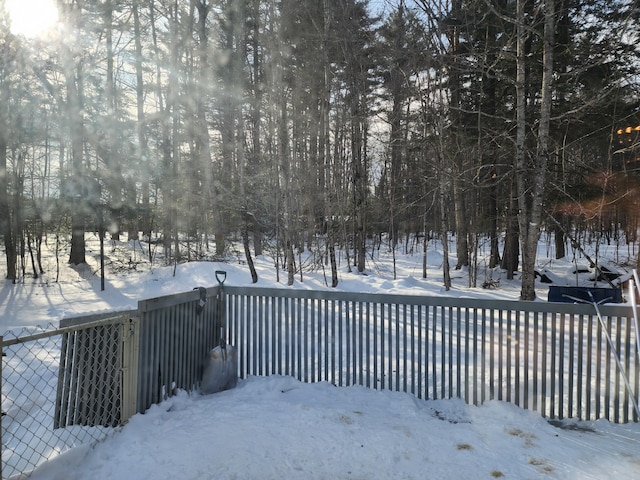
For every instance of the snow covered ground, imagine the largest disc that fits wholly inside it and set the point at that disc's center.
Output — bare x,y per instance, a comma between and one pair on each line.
277,427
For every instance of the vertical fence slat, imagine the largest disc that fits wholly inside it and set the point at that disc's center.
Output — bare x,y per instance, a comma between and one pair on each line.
401,315
444,328
350,324
467,358
492,357
436,320
615,324
589,368
626,341
524,358
580,383
391,336
475,371
325,339
299,343
554,372
571,366
192,345
536,359
365,319
457,366
242,328
288,332
483,356
508,370
543,366
376,371
181,328
252,332
414,350
501,349
384,355
305,339
607,372
515,349
447,349
561,367
636,368
337,324
275,320
64,378
359,343
345,342
312,327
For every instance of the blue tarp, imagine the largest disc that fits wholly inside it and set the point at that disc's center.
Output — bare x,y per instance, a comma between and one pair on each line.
566,294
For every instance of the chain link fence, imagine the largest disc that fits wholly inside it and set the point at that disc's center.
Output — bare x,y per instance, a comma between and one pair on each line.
46,375
75,384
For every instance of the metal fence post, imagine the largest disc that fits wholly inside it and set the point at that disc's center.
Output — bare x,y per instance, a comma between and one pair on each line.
130,355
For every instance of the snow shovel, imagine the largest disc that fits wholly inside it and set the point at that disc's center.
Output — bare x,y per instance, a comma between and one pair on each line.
221,365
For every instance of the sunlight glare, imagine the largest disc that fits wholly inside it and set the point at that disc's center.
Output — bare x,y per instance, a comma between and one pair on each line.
31,18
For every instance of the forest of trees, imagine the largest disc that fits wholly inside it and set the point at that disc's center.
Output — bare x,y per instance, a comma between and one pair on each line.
322,125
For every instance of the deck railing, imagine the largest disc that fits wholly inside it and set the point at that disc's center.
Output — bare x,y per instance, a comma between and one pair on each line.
561,360
553,358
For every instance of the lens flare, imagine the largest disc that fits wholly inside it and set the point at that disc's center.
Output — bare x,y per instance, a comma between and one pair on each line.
32,18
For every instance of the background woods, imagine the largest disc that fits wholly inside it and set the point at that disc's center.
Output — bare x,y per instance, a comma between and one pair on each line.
336,126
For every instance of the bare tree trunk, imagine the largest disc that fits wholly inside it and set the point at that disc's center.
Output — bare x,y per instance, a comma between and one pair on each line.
459,156
73,109
461,215
444,229
172,142
77,254
247,250
425,244
521,124
332,237
290,262
397,80
531,187
142,147
244,225
6,229
166,186
324,147
494,256
446,273
559,239
203,145
511,251
113,178
256,120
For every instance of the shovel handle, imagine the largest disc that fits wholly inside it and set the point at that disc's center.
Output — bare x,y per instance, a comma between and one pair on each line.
223,339
221,276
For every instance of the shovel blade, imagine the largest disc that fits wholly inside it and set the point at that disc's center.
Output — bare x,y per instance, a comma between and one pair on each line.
220,370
